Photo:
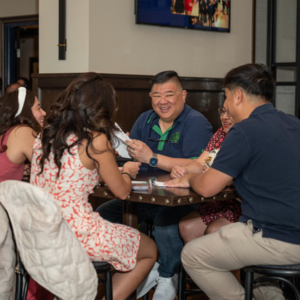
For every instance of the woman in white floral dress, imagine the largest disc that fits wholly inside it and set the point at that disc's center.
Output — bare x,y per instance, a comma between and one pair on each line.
68,160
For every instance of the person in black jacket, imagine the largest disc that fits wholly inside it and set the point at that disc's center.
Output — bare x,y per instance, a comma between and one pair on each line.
224,4
210,10
215,5
202,10
179,7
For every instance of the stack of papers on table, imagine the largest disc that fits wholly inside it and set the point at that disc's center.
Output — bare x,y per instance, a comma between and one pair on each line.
159,184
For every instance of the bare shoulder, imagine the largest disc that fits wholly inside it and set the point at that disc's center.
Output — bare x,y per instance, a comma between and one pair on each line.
20,144
100,142
23,132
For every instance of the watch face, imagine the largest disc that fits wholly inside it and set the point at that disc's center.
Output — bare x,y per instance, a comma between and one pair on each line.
153,162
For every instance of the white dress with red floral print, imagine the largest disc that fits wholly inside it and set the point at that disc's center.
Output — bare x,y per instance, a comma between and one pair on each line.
104,241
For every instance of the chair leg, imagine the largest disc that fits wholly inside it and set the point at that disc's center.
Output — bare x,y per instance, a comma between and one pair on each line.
181,283
249,286
19,286
108,286
289,282
27,278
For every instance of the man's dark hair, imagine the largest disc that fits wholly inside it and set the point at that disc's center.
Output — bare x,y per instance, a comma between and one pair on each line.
254,79
164,77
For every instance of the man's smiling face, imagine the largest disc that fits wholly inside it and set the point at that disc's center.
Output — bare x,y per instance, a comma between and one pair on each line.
168,100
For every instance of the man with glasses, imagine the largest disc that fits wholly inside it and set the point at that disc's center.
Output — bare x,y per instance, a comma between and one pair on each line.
169,135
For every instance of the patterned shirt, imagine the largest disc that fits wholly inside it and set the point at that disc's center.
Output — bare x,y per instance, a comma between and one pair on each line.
216,141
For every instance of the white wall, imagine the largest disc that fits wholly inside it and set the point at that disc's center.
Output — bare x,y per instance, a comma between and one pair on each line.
77,34
117,45
15,8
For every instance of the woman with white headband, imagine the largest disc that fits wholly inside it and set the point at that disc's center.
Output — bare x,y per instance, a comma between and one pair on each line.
21,118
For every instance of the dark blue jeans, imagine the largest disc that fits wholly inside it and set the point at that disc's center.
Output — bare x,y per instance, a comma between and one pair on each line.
166,231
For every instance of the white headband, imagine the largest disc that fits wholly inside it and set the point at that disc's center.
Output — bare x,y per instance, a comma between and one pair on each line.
21,99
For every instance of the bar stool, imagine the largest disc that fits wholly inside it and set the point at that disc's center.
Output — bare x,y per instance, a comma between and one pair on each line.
149,228
183,292
22,276
270,272
21,286
105,268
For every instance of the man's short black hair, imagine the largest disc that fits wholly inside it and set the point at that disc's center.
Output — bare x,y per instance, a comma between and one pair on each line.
254,79
164,77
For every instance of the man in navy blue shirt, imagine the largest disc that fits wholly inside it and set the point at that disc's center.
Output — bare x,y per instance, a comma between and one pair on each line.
261,155
169,135
171,132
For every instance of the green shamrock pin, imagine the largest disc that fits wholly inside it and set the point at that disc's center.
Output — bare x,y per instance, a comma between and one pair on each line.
175,137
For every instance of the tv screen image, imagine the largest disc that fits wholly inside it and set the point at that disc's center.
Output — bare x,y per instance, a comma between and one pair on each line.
192,14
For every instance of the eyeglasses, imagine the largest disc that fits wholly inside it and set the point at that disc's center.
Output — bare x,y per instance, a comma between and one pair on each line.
159,140
222,111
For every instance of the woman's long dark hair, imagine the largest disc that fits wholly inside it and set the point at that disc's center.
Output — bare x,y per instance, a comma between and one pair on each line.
87,104
8,108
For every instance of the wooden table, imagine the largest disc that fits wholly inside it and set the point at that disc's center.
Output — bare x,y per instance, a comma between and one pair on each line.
157,195
160,196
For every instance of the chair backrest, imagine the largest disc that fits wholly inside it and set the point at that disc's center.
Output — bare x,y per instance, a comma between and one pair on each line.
48,248
8,257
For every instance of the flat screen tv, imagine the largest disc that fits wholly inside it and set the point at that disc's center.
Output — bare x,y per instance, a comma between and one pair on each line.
191,14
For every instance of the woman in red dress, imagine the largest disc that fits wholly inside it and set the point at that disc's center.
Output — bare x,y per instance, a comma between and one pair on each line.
21,118
188,7
73,153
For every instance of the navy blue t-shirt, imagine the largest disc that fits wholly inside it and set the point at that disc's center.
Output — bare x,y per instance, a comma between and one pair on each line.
262,153
187,138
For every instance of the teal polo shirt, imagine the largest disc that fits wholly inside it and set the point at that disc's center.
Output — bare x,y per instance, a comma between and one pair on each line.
186,138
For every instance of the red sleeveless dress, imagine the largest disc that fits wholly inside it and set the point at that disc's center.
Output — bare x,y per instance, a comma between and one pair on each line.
8,170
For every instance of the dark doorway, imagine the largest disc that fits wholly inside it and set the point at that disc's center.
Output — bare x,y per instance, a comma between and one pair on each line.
20,52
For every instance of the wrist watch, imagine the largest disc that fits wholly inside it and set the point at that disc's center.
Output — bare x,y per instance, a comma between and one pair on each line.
153,160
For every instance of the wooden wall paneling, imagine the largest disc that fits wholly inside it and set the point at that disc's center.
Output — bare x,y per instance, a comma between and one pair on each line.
207,103
48,97
204,94
131,104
